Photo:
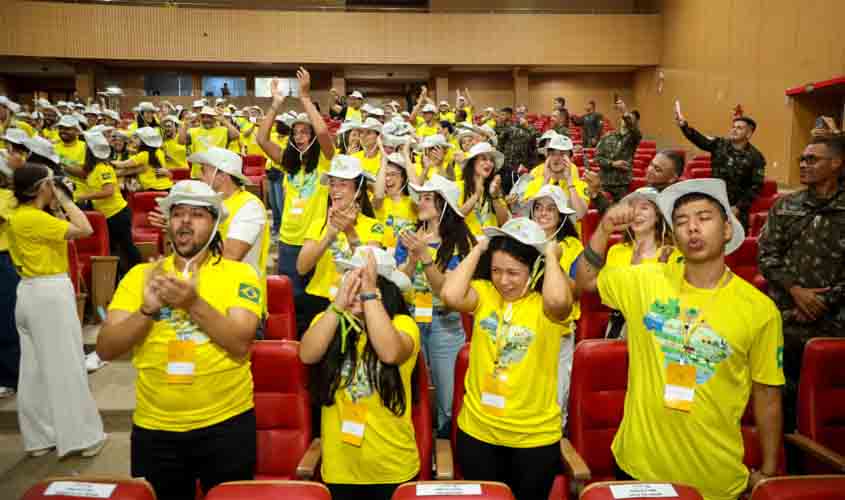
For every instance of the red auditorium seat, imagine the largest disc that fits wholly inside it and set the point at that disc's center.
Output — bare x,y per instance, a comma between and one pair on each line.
453,490
800,488
421,414
602,490
149,239
648,144
82,487
180,174
97,268
73,274
743,262
700,172
594,316
756,222
282,412
636,183
467,321
589,224
281,316
252,162
269,490
767,197
820,434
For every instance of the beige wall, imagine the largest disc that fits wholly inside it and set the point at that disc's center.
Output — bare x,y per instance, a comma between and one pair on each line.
578,89
527,5
719,53
83,31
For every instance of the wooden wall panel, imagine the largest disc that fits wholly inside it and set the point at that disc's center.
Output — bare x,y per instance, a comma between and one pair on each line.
47,29
719,53
487,89
578,89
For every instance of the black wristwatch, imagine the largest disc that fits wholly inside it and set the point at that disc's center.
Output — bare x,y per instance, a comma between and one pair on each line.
365,296
155,316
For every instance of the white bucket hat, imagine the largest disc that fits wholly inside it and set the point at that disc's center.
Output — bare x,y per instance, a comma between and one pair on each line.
356,95
397,127
195,194
81,120
371,124
91,111
556,194
465,129
98,145
98,129
489,110
394,141
108,113
223,160
69,121
492,138
206,110
366,108
444,103
345,167
385,265
714,188
171,118
348,125
376,111
198,103
219,100
396,159
15,136
547,135
646,192
149,136
9,104
560,143
435,141
442,186
42,147
523,230
486,148
300,118
146,106
429,108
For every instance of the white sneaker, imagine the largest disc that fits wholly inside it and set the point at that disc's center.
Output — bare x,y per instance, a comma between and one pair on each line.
6,392
94,450
41,452
93,362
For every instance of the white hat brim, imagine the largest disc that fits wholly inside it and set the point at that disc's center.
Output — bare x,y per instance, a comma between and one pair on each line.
492,231
202,158
416,190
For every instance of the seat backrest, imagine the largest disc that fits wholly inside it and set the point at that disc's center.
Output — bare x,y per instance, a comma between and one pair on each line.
282,407
461,366
422,417
144,202
636,183
269,490
73,265
83,487
281,315
180,174
602,490
763,203
821,407
467,321
596,403
745,255
757,221
589,224
769,188
823,487
98,242
453,490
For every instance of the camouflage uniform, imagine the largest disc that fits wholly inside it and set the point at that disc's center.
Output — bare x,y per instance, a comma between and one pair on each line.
562,130
590,128
518,143
743,170
618,145
803,244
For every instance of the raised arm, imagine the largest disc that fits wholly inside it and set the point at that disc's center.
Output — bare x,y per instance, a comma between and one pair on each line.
391,346
618,218
420,103
233,132
273,150
79,226
456,292
378,190
557,293
184,138
320,128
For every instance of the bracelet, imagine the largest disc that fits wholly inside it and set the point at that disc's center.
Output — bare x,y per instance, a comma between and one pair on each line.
427,264
593,258
153,315
367,296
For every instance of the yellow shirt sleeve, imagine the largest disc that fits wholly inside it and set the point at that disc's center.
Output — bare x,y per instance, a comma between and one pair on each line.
766,355
142,158
619,287
129,294
248,294
49,228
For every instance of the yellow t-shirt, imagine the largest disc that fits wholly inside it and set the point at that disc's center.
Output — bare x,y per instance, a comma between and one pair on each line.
326,279
739,340
235,146
352,114
490,123
396,215
175,154
440,169
148,178
480,216
249,137
388,453
102,175
51,134
203,138
74,155
448,116
424,130
528,346
37,242
306,200
572,249
8,202
622,253
222,385
282,141
26,127
370,165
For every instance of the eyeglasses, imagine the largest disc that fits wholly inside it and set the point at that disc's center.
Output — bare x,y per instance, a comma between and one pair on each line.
812,159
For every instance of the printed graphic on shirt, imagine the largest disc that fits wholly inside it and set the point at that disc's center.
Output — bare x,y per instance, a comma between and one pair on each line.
706,349
180,322
249,292
305,184
517,340
359,387
779,356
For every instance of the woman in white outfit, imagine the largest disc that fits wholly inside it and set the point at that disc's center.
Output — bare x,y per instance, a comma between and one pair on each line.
55,406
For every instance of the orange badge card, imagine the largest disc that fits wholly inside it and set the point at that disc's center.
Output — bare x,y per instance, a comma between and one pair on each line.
494,393
680,386
180,361
353,422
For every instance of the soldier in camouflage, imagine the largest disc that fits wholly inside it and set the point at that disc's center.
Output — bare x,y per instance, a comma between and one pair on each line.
615,155
558,124
591,125
733,159
518,143
801,255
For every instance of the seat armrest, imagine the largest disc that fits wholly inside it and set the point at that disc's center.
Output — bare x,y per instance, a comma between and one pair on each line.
817,450
575,466
443,459
307,466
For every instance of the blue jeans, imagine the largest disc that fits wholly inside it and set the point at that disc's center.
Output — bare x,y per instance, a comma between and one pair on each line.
441,341
277,198
10,347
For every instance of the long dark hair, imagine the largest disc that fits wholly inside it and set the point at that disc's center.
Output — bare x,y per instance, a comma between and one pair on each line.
153,159
292,161
404,174
37,159
139,120
567,229
282,129
327,377
520,251
362,198
455,236
469,182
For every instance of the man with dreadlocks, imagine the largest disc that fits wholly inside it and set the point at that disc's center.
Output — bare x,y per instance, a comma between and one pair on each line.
189,320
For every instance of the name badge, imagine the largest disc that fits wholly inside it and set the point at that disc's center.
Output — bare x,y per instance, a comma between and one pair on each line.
680,387
298,206
180,361
423,307
494,392
353,423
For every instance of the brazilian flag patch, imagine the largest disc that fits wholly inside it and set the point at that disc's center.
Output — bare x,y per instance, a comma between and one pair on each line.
249,292
377,229
780,357
106,176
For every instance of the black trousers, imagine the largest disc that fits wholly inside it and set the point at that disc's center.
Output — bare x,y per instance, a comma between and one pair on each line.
120,241
10,345
529,472
362,491
173,461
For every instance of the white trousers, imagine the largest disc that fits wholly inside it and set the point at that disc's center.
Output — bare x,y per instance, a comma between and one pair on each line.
564,373
55,405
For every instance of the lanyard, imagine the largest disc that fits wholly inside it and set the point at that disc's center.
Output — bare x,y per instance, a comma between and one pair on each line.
691,324
502,335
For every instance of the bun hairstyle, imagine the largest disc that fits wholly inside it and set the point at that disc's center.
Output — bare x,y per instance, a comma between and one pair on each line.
26,181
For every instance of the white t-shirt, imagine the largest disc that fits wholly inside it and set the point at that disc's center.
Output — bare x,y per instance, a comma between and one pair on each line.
247,225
